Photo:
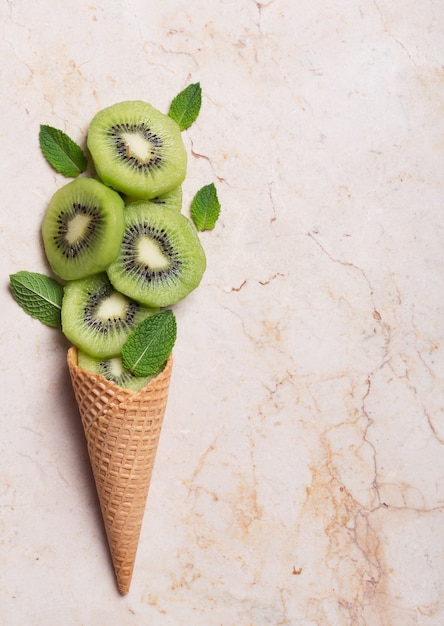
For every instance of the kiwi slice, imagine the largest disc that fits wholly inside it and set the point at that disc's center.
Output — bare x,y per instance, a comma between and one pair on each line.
82,228
161,259
112,369
171,199
96,318
137,149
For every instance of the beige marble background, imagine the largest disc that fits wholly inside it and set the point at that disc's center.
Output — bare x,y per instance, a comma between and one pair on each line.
299,477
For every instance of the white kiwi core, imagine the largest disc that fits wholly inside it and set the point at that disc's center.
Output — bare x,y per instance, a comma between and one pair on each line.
112,307
115,366
138,147
77,228
149,253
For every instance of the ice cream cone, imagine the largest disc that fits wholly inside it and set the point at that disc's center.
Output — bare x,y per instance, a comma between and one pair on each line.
122,429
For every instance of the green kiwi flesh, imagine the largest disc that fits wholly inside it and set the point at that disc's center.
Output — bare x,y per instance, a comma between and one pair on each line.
161,259
82,228
137,149
170,200
96,318
112,369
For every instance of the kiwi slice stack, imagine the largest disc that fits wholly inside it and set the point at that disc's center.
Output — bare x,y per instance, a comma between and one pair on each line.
120,242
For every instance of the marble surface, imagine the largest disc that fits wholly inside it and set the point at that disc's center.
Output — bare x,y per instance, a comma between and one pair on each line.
299,478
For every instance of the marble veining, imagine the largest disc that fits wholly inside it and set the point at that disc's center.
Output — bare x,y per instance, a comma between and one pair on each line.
299,476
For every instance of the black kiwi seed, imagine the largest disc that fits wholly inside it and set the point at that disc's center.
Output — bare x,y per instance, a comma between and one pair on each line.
161,258
91,234
96,318
131,263
115,133
112,369
106,370
82,228
94,299
114,136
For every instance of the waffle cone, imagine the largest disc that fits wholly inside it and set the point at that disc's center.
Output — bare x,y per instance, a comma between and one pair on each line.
122,430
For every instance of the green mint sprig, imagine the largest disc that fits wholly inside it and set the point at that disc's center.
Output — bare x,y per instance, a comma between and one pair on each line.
150,344
61,152
205,208
185,107
40,296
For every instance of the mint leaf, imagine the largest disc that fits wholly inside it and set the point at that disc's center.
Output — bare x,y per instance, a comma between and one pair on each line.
40,296
205,208
61,152
150,344
186,105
